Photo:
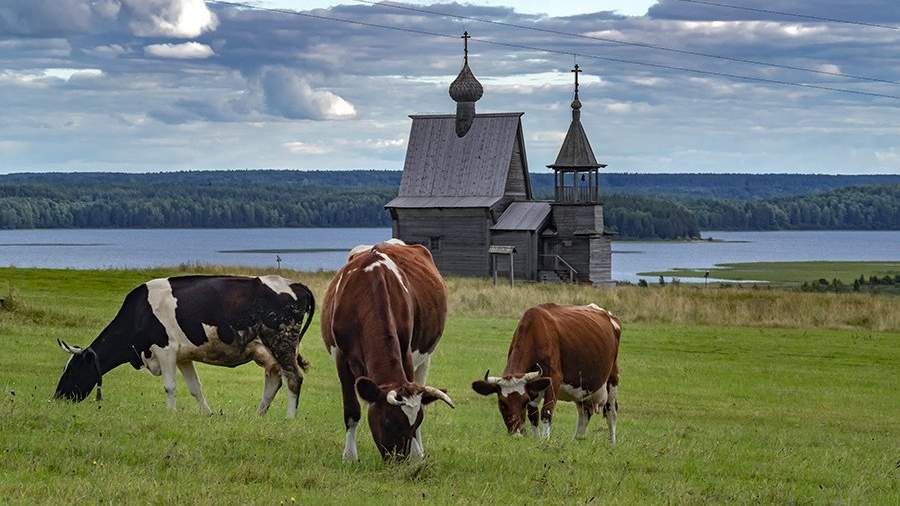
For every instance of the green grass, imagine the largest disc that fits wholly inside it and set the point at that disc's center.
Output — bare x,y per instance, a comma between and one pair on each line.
708,415
786,273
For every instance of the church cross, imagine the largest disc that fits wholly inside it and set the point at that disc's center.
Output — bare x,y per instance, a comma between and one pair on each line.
577,70
465,37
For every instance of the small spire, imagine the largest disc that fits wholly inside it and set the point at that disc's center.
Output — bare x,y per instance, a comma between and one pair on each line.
576,103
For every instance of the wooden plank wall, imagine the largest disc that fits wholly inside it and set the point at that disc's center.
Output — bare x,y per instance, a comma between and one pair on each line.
590,255
525,261
601,260
464,234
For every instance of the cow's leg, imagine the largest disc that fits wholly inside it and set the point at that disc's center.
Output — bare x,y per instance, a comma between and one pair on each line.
272,384
351,408
610,411
421,376
547,408
193,385
585,410
587,407
283,346
168,367
264,359
532,409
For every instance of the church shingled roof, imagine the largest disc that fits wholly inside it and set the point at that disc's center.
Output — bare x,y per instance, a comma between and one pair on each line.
441,167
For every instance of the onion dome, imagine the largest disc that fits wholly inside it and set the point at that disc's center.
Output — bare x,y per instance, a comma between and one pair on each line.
465,91
466,88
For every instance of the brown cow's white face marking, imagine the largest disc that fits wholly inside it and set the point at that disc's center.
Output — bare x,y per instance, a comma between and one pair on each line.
512,385
410,407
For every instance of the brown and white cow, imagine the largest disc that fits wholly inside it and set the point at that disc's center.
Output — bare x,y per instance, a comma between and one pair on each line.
559,352
383,315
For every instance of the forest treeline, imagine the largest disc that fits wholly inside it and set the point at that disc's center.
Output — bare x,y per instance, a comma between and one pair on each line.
256,199
713,186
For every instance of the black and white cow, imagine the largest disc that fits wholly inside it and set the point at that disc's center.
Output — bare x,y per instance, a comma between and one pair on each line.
170,323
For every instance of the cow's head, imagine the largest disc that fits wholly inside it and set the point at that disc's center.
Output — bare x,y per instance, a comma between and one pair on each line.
395,413
81,375
514,393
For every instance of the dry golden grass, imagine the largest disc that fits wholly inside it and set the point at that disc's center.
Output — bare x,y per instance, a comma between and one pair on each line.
682,304
689,305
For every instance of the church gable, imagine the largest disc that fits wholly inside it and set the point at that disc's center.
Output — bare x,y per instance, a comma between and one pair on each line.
444,170
518,186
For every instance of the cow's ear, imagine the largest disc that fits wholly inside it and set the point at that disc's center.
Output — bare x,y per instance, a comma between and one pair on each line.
368,390
484,388
537,386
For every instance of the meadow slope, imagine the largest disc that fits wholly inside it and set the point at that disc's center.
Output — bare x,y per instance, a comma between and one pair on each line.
727,396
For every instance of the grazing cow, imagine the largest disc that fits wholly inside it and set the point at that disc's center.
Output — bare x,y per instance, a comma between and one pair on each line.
383,315
171,323
559,352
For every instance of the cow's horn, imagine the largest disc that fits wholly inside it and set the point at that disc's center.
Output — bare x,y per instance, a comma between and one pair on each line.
535,374
440,394
392,398
493,380
74,350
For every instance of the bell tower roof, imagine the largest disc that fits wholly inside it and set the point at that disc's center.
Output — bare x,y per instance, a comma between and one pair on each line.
576,152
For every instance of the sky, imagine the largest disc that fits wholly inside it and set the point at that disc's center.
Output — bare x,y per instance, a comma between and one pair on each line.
155,85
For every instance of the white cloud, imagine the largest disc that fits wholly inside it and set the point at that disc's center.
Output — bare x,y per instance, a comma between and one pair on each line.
43,76
386,143
890,157
67,74
303,148
183,51
618,107
107,51
830,67
286,94
548,137
169,18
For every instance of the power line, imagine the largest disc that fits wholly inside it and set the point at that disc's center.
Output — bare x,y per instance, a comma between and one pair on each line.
791,14
644,45
555,51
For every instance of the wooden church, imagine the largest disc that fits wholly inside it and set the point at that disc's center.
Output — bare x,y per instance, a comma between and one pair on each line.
466,194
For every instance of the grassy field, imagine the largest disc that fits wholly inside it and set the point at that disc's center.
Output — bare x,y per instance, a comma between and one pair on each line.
724,399
787,273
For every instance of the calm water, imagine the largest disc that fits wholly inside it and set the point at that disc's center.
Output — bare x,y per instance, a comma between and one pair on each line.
147,248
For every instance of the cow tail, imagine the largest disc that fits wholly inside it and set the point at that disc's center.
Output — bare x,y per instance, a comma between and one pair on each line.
310,311
613,381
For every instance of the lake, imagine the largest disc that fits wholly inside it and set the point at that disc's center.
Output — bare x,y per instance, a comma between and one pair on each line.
327,247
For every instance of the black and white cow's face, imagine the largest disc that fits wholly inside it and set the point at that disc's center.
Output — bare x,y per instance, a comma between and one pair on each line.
395,415
79,377
514,394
